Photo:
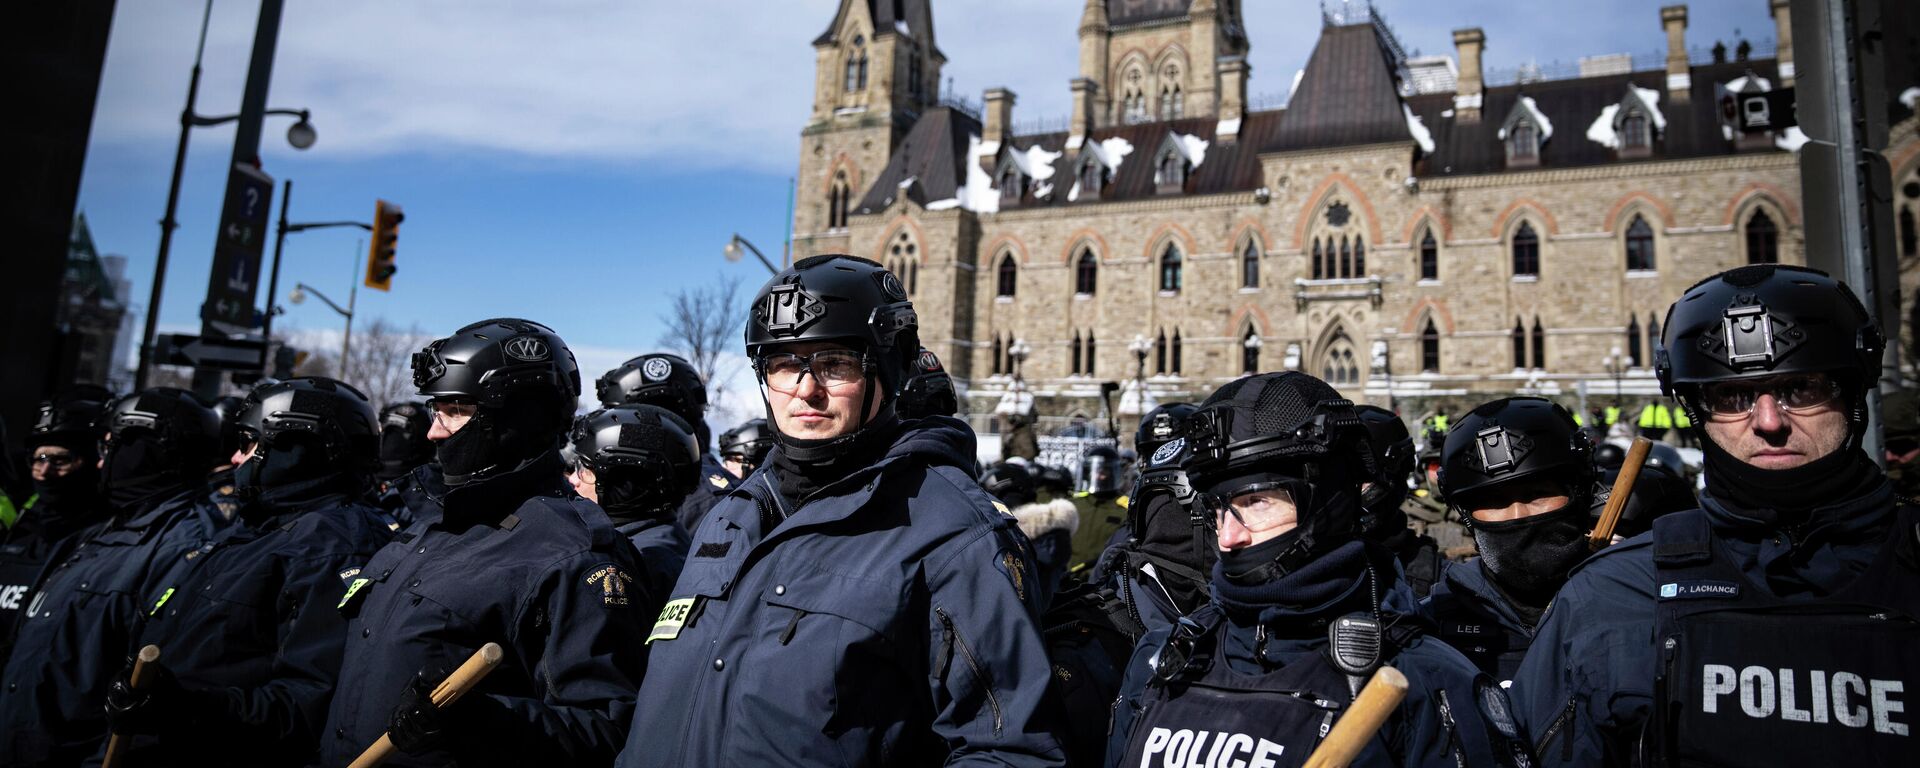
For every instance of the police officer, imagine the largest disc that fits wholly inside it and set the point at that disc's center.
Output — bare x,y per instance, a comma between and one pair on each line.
99,583
1103,507
639,462
1663,486
405,481
744,448
1520,473
1777,623
1383,518
670,382
220,482
1900,430
859,601
1165,558
511,557
1304,609
929,391
1048,524
66,498
251,633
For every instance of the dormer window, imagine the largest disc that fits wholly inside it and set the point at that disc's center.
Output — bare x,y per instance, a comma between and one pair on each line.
1093,175
1013,184
1179,154
1524,132
1636,133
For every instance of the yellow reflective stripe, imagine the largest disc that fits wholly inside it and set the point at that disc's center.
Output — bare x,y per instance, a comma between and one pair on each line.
672,617
351,588
164,596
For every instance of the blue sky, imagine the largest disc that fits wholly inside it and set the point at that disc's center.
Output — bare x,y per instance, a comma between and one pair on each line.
577,161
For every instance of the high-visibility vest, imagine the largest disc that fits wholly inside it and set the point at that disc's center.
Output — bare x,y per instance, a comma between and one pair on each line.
1680,419
1613,414
1656,416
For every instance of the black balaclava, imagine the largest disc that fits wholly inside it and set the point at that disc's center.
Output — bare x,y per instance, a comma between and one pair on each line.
1327,508
1183,552
1782,497
632,496
496,441
64,504
1530,558
138,473
290,461
400,453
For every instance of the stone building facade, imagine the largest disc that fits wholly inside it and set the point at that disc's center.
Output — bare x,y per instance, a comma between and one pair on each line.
1402,228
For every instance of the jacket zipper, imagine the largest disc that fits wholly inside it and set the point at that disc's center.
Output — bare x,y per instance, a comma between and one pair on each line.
1553,730
954,637
1453,737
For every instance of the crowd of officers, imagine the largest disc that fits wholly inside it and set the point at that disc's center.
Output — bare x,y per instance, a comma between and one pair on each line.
842,584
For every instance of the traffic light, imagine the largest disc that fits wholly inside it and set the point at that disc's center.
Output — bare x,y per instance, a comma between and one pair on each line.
386,231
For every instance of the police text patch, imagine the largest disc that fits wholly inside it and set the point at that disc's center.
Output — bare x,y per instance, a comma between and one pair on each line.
672,618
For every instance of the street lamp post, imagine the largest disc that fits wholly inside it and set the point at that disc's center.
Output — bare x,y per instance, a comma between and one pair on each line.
1017,352
301,136
279,244
733,252
299,295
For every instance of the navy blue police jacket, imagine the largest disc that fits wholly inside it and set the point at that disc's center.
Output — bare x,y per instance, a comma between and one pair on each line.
517,560
888,620
254,627
715,483
1470,614
78,632
1584,693
661,546
1452,715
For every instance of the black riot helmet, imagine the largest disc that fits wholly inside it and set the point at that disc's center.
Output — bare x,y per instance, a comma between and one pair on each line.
1283,430
306,428
71,422
928,391
1662,487
747,444
160,442
1167,524
845,299
523,379
228,409
1763,320
645,459
1510,439
659,379
1392,447
403,438
1100,472
1161,425
1010,482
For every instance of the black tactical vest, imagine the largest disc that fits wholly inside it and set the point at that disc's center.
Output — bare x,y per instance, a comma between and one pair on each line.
1747,679
1212,717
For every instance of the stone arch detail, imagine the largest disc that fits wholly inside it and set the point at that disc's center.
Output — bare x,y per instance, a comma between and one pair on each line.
1617,215
1318,200
1249,227
1771,193
1249,312
1436,220
1505,222
900,222
1007,243
1427,307
1085,236
1169,231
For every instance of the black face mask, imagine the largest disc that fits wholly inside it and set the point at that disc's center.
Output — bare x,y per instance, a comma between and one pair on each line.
1380,514
626,497
400,453
494,442
67,502
137,472
1530,557
290,461
1249,566
1780,497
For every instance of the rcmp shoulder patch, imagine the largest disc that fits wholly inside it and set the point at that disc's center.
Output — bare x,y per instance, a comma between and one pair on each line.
353,588
718,481
1493,705
1015,570
612,583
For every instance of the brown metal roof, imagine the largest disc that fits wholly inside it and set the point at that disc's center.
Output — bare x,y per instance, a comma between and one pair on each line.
1348,95
933,154
1121,13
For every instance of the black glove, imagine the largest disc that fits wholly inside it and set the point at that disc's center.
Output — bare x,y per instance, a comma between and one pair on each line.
153,708
417,726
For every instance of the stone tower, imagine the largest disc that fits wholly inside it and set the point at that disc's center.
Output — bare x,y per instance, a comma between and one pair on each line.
876,69
1149,60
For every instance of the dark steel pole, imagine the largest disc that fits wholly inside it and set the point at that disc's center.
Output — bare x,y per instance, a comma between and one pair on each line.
167,222
273,282
246,140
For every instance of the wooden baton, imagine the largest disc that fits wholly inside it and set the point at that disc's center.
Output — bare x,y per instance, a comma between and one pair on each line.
447,692
1617,499
1354,729
117,742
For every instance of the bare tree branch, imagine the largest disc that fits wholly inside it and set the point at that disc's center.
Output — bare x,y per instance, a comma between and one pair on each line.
703,323
379,363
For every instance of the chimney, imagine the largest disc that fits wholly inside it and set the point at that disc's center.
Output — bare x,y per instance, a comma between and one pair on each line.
1673,18
998,128
1470,86
1783,32
1084,91
1093,52
1233,98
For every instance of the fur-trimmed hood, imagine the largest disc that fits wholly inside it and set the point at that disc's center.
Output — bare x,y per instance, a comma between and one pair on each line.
1039,518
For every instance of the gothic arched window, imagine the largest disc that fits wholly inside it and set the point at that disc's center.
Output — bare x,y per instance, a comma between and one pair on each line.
1086,272
1176,352
1346,258
1170,269
1359,256
1526,251
1160,352
1429,257
1250,265
1430,348
1633,342
1519,338
1539,345
838,198
1763,239
856,72
1639,244
1008,276
1319,268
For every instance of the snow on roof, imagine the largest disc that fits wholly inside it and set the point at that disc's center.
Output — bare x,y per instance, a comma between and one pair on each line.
1740,83
1601,131
1225,127
908,181
1421,135
1651,99
1790,139
978,193
1191,147
1534,116
1111,151
1297,74
1911,98
900,26
1035,163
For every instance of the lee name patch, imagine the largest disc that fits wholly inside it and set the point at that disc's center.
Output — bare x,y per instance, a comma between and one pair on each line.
672,617
1695,590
